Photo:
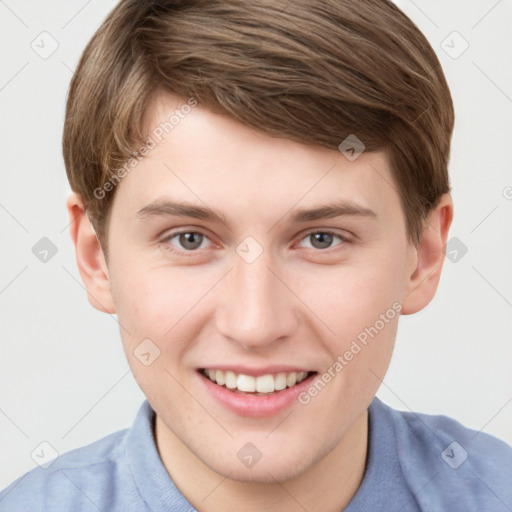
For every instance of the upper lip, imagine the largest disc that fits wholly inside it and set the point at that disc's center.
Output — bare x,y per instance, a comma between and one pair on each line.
257,372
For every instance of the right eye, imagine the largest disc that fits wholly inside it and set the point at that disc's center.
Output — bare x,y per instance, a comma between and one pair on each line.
189,240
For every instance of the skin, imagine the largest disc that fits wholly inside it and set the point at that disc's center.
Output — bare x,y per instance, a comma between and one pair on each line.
297,303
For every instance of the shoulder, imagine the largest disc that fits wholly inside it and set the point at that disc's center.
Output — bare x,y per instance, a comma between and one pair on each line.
74,479
448,464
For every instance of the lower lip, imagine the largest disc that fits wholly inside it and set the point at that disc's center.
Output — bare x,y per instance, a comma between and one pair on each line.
255,405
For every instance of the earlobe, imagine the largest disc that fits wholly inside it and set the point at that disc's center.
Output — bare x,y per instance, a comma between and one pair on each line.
424,278
89,256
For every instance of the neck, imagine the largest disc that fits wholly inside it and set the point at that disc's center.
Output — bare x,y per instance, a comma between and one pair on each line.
328,485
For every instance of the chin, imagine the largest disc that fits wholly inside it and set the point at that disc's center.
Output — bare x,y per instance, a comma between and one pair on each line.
263,472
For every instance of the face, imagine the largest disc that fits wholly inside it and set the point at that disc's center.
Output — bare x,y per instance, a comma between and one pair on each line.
262,290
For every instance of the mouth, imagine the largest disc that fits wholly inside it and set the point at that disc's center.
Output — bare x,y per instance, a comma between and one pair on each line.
263,385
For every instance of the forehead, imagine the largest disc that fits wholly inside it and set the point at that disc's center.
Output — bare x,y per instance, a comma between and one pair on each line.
207,158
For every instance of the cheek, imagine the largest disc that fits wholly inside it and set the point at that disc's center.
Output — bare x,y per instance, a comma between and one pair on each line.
153,308
363,313
350,298
360,303
158,303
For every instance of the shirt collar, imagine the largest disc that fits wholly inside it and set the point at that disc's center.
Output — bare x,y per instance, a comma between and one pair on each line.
151,478
383,486
382,480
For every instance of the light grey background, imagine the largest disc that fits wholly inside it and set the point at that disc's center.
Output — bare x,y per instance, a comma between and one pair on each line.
64,378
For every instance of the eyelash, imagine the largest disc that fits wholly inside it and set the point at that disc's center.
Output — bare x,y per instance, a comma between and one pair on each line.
168,237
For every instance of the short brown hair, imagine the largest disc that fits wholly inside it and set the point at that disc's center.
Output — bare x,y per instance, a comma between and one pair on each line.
315,71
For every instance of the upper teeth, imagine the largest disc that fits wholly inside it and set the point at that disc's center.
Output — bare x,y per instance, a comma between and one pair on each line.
262,384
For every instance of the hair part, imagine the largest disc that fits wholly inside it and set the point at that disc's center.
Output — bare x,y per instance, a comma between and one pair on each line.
315,72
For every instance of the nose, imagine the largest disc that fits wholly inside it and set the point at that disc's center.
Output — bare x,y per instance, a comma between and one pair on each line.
257,307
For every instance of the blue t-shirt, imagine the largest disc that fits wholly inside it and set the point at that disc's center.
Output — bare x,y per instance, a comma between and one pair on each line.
416,462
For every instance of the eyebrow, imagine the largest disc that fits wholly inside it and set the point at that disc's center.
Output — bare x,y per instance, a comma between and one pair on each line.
182,209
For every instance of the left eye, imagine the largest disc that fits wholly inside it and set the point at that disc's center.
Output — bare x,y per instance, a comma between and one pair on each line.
323,239
192,240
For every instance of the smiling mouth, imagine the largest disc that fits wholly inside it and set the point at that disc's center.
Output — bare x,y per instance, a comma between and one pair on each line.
262,385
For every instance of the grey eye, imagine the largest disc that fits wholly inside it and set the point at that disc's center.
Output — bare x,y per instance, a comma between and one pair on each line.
190,240
321,240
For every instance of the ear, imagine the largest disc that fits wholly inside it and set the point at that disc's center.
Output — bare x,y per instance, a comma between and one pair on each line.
89,256
428,258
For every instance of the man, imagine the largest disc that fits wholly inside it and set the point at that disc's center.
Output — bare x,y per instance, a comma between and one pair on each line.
260,189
